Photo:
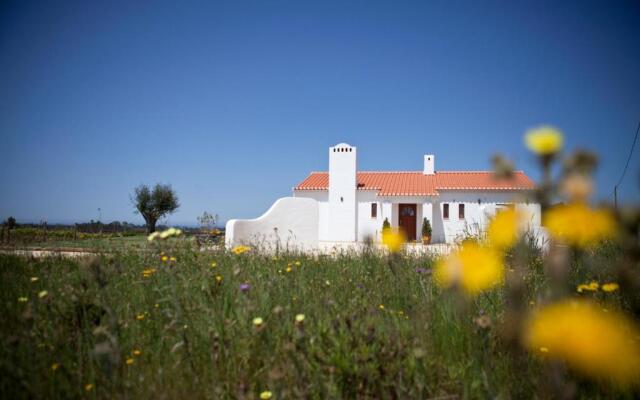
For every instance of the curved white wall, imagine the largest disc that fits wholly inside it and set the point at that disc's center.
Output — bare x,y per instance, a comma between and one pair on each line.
291,222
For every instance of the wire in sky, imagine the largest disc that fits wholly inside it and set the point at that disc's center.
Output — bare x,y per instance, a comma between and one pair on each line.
635,139
624,171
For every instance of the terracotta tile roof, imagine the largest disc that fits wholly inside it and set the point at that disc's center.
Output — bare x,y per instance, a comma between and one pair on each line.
415,183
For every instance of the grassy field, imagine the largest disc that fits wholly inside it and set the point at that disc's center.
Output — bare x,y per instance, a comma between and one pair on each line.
130,325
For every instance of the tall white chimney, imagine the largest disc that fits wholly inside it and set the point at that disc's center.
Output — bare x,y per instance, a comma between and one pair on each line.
429,164
343,216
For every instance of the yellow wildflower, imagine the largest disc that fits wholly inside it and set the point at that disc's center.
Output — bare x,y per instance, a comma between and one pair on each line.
165,258
610,287
299,318
22,299
153,236
591,287
288,269
55,366
140,317
393,239
257,322
505,228
602,345
34,279
43,294
266,395
474,267
241,249
544,350
148,272
137,352
381,306
214,264
218,278
579,225
544,140
298,263
88,387
130,361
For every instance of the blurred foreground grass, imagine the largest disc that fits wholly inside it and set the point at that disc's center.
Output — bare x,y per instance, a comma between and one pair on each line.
132,325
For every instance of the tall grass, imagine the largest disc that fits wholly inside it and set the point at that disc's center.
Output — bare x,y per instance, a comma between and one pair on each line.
373,328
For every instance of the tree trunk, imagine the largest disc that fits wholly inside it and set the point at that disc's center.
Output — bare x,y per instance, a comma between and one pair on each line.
151,226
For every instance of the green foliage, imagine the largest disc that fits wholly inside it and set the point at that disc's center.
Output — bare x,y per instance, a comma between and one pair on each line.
155,204
386,224
426,227
370,331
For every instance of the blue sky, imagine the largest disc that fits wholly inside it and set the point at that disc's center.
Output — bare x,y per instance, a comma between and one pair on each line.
233,103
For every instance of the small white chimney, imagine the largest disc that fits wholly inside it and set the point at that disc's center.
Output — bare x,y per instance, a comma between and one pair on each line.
429,164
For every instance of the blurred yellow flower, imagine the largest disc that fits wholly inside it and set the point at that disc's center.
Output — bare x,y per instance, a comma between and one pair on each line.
172,258
579,225
298,263
130,361
165,258
148,272
137,352
88,387
393,239
153,236
299,318
241,249
474,267
257,322
544,140
34,279
43,294
381,306
266,395
55,366
288,269
218,278
610,287
22,299
214,264
602,345
140,317
591,287
505,228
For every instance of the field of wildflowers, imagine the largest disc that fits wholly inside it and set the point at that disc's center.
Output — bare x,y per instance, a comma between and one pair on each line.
497,318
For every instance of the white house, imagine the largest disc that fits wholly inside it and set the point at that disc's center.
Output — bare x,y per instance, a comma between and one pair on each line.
346,205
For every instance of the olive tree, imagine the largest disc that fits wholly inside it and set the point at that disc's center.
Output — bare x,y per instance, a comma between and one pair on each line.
154,204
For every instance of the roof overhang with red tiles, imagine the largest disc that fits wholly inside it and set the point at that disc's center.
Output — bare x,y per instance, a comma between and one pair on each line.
416,183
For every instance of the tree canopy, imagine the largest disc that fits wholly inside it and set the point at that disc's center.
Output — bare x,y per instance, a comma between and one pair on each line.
155,204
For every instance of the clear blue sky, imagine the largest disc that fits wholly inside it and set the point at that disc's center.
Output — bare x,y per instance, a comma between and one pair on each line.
233,103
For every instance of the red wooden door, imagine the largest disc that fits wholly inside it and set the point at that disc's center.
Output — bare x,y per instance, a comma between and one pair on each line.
407,220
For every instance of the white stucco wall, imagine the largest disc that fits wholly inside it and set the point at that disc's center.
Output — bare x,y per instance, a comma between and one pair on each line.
444,231
322,197
291,223
368,227
476,214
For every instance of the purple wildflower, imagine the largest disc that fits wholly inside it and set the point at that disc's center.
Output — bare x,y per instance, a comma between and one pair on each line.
421,270
244,287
